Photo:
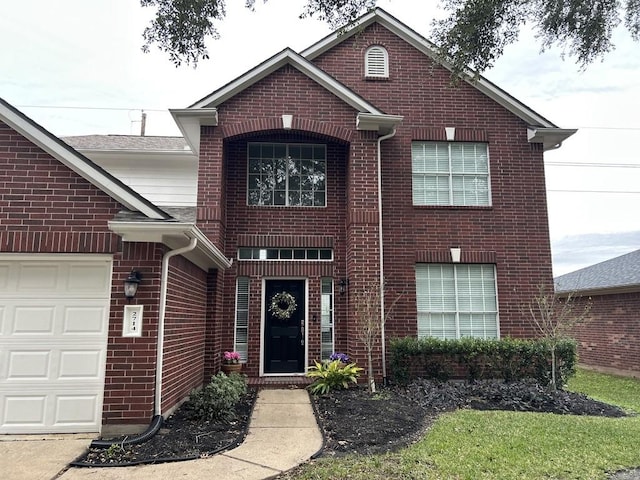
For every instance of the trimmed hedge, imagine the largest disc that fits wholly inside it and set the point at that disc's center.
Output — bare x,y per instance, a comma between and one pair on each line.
474,359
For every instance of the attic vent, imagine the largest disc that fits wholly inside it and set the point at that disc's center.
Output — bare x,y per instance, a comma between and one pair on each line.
376,62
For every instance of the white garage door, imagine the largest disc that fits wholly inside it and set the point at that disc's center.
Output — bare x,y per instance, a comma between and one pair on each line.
54,315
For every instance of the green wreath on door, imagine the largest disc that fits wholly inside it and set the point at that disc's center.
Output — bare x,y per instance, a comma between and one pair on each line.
283,305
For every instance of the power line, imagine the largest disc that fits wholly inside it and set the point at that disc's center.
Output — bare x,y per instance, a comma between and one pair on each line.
165,110
94,108
594,164
624,192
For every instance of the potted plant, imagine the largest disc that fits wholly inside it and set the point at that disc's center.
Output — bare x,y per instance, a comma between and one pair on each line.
231,362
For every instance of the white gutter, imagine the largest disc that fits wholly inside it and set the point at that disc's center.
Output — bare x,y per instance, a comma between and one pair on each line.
382,316
163,307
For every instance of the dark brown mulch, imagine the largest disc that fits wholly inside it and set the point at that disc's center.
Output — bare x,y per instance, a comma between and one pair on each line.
353,420
180,438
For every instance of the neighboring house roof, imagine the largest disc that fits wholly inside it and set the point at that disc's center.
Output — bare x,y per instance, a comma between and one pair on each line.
618,275
539,129
145,222
127,142
77,162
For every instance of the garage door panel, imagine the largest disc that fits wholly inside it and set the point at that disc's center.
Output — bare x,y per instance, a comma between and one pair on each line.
75,410
42,317
54,412
31,365
84,319
36,278
54,317
24,410
88,279
33,320
81,364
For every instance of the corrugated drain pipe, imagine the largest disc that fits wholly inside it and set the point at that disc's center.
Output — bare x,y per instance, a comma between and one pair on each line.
156,421
380,242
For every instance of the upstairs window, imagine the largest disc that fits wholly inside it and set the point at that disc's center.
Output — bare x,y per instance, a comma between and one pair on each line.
288,175
376,62
450,173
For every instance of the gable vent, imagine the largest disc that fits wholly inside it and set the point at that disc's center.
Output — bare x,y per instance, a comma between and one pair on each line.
376,62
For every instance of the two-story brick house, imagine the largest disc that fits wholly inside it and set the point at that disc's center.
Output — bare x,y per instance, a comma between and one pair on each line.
352,164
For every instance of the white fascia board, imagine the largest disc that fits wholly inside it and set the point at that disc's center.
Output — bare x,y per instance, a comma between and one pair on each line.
287,56
551,138
429,49
383,124
78,163
189,121
206,255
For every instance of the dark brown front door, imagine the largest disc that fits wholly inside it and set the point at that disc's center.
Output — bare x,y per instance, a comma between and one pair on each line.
284,326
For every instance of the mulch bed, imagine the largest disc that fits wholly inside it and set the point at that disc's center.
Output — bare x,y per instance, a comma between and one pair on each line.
352,421
180,438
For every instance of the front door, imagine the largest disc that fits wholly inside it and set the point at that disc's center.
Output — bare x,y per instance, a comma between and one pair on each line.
284,334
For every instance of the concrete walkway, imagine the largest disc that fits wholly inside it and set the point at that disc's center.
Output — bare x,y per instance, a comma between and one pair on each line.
282,434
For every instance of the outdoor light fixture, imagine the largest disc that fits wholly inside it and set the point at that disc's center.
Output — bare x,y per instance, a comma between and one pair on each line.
131,284
344,283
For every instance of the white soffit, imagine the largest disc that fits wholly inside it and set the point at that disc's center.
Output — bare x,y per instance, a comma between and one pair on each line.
174,234
189,121
551,138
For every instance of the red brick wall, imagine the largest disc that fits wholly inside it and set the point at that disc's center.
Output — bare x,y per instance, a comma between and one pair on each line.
47,208
609,339
514,230
130,371
512,233
185,328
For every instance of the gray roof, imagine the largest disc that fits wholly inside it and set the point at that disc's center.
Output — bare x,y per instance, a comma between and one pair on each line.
179,214
620,273
127,142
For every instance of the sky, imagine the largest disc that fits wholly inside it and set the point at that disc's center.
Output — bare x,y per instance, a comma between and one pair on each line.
76,67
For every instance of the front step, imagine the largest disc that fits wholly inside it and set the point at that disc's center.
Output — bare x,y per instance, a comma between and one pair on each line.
280,382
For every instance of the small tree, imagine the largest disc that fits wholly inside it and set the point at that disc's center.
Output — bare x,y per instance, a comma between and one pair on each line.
369,323
554,317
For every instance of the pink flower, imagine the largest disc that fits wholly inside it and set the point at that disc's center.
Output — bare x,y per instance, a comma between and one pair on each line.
231,357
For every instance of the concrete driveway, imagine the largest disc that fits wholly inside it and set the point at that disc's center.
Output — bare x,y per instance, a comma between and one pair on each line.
39,457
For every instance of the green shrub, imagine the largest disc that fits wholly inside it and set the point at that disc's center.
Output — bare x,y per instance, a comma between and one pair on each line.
332,375
217,400
474,359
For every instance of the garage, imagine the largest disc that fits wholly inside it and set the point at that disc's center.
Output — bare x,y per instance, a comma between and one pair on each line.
54,316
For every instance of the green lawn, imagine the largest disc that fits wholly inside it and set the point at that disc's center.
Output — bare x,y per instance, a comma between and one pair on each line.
471,444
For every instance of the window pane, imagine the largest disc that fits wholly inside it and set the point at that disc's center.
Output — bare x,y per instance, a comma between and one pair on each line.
456,300
242,318
453,173
286,174
325,254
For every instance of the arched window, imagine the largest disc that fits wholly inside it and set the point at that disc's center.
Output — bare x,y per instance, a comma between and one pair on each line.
376,62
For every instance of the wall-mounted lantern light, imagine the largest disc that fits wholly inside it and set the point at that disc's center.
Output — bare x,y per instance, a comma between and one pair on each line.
131,284
344,284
